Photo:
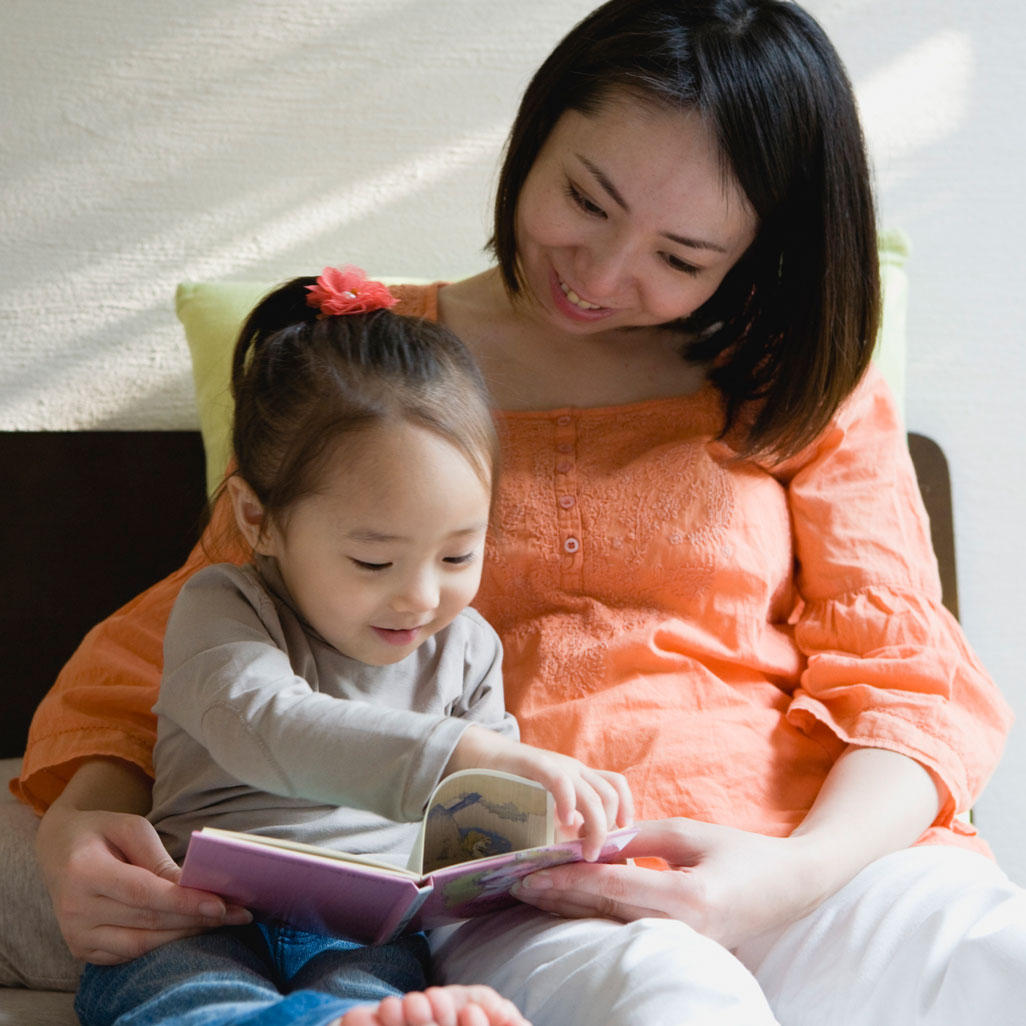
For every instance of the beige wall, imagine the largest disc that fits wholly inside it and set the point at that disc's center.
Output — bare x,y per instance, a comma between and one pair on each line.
145,142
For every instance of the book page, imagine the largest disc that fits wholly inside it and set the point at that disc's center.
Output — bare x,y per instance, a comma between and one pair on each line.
483,886
475,814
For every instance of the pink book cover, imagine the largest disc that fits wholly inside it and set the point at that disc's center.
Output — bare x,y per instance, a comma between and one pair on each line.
330,895
313,892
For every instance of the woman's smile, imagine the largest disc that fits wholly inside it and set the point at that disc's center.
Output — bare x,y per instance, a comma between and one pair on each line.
572,304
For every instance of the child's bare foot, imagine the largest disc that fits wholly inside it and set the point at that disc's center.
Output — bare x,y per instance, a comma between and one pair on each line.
438,1006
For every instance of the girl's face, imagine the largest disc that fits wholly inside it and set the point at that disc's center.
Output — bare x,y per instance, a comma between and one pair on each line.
627,218
389,550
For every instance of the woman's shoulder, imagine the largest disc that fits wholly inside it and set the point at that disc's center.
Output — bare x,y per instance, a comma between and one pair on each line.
416,299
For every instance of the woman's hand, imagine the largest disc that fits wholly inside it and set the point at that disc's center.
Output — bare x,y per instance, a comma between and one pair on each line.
725,883
589,802
113,886
730,884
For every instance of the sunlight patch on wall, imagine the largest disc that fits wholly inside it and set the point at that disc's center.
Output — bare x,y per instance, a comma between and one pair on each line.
370,197
919,99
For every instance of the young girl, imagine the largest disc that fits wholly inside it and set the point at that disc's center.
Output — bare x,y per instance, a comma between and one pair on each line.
322,690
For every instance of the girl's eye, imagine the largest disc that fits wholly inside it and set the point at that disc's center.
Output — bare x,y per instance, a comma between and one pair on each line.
363,565
582,201
675,263
460,560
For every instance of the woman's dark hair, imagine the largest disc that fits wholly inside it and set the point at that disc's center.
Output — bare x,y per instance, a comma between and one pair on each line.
303,382
792,326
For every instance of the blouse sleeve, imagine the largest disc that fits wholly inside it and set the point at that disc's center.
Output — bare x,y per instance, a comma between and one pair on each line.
101,704
230,684
887,664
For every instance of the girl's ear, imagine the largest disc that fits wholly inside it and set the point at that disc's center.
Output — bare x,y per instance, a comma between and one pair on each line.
249,514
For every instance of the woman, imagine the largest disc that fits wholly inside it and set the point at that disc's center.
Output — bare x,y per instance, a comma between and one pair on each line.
710,570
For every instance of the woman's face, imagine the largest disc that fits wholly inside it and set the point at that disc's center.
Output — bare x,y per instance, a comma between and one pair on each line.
627,218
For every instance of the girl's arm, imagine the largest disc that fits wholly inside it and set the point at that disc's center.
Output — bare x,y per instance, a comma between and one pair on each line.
113,886
732,885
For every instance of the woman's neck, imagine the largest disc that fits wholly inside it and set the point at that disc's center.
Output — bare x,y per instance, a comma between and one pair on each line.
530,366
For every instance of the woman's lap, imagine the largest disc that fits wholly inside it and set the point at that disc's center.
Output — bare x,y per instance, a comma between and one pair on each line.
249,976
930,936
559,971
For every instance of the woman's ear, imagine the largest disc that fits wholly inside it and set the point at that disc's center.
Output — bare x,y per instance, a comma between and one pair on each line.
249,514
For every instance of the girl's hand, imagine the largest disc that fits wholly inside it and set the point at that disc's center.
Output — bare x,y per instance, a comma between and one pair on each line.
725,883
113,886
589,802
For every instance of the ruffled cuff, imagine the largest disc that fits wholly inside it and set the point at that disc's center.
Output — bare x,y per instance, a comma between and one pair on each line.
890,669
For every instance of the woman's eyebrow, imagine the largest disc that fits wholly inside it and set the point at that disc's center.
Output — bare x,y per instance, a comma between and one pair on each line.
614,193
603,179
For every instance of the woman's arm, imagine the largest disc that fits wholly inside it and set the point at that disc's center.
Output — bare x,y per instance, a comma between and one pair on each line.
101,703
113,886
732,885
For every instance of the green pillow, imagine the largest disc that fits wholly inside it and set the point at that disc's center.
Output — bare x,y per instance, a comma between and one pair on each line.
890,355
212,314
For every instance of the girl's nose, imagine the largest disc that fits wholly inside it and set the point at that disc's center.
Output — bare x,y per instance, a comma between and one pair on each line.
419,593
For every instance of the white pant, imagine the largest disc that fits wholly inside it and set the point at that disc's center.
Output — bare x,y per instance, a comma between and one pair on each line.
929,936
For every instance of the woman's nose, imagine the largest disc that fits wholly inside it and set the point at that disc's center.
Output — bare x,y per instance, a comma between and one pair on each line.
604,272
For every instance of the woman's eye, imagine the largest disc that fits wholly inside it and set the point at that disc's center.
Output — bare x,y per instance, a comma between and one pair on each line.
460,560
676,264
364,565
582,201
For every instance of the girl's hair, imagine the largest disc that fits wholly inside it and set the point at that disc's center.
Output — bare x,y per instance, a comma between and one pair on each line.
303,382
792,326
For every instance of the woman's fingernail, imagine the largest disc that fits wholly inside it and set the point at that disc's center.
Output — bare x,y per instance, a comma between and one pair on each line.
536,882
212,909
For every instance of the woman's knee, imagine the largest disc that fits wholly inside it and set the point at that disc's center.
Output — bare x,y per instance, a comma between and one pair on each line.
910,940
559,970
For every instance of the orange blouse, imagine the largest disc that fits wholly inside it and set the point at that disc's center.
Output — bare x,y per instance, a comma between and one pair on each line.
718,630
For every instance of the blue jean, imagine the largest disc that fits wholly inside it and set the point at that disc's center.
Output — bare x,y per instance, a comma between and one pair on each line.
263,974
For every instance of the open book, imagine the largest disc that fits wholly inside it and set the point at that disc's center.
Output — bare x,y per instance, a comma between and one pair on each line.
483,830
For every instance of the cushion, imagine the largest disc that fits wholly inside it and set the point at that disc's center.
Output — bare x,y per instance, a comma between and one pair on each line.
890,355
212,314
32,951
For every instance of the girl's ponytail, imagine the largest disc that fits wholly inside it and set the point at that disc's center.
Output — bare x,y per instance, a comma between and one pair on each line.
321,359
286,307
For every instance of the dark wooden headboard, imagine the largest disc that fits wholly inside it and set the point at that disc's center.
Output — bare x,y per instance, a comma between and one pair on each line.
88,519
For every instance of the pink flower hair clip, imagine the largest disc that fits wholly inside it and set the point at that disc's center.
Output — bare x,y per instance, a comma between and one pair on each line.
347,290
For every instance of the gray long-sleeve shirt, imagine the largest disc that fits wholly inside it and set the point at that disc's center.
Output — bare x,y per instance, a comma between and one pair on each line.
264,727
